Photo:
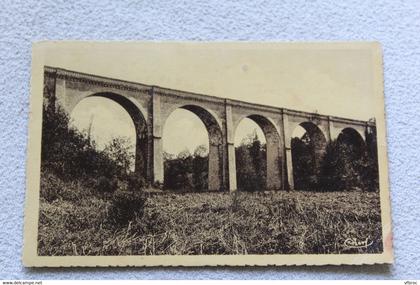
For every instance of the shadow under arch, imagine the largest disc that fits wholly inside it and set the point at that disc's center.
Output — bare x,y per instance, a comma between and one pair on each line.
140,125
353,140
273,151
215,157
308,152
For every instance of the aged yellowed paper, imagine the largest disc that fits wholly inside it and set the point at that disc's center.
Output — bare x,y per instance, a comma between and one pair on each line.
206,154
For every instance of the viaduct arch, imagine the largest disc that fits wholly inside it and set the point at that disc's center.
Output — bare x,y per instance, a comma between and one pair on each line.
214,130
138,119
150,106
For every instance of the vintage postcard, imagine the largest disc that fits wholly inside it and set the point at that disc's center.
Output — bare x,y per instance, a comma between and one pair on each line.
206,154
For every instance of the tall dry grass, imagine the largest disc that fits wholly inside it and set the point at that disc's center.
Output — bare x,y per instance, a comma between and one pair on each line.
75,220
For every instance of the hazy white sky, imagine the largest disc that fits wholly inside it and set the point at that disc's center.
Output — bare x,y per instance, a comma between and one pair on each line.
334,81
97,111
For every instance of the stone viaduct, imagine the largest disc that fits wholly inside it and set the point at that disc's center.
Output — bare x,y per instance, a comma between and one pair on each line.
150,106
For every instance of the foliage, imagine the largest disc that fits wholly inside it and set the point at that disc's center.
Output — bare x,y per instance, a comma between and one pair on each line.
306,172
200,163
187,172
119,150
53,189
343,165
371,171
135,182
70,154
106,185
125,206
317,166
251,164
74,170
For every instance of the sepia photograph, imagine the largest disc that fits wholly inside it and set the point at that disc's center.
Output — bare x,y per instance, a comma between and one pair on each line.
194,154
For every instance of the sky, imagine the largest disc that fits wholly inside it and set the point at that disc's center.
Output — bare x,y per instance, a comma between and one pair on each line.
333,80
96,112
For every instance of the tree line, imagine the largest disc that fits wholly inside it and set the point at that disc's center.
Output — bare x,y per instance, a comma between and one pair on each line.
189,171
186,172
340,165
335,166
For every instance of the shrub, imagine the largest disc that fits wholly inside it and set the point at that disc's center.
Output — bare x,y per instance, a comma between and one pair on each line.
49,187
106,185
347,168
126,205
135,182
186,172
251,164
158,185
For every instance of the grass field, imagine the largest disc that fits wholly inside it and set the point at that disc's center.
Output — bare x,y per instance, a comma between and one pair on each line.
74,220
